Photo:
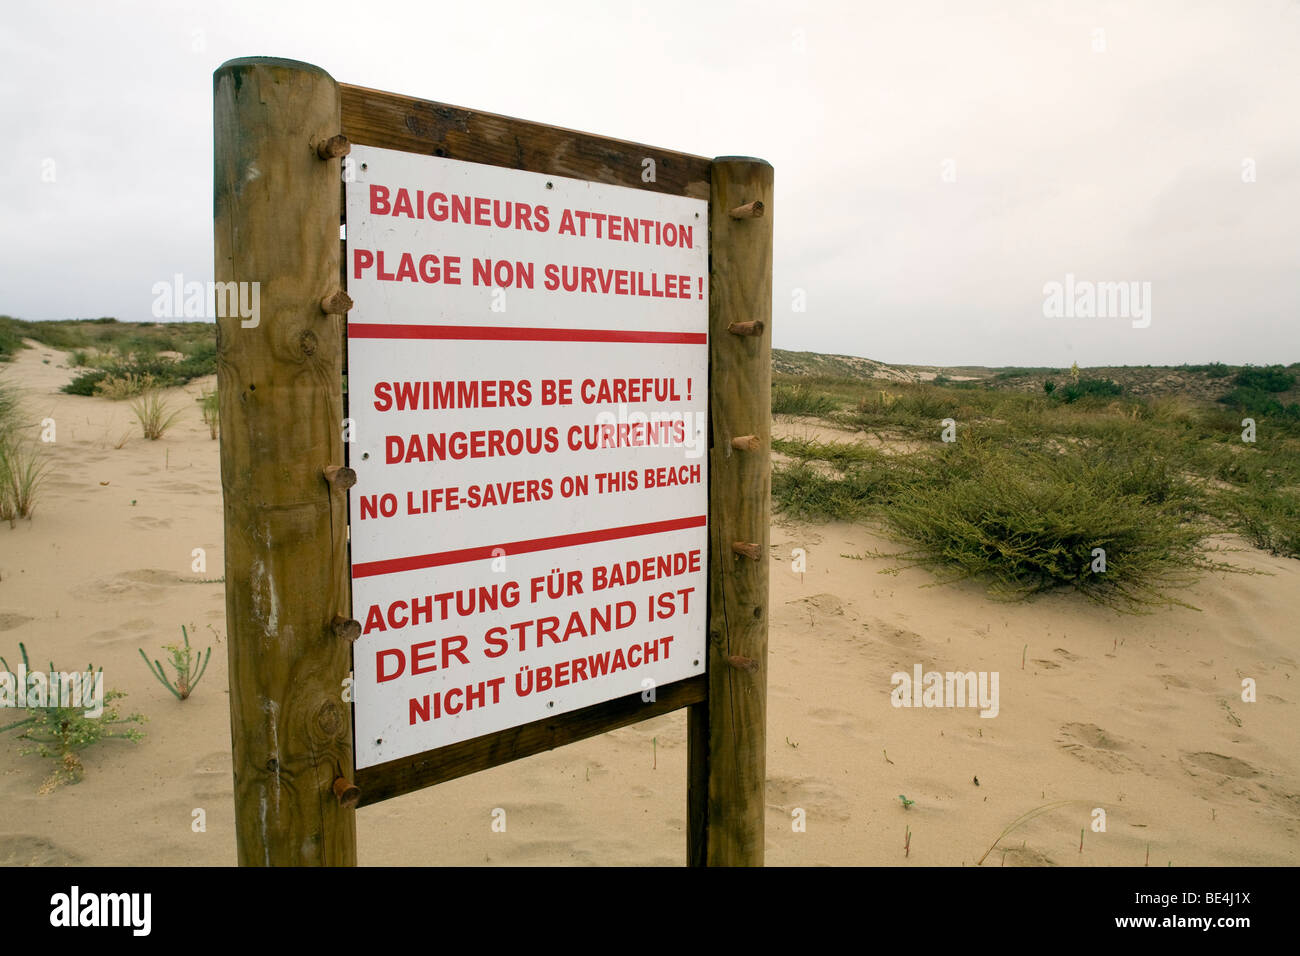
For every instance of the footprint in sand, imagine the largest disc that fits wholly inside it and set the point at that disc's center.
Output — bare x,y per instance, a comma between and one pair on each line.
1094,746
1019,856
148,523
129,631
842,720
186,489
9,620
898,636
142,584
1239,777
26,849
820,800
1218,763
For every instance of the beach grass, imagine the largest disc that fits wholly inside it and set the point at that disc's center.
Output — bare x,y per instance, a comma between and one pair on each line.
1035,489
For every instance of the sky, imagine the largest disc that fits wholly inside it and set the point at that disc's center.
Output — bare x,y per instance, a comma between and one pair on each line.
938,165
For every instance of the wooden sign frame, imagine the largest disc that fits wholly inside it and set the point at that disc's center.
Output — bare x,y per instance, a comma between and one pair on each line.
281,128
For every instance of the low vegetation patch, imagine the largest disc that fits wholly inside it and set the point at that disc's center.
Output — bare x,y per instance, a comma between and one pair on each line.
154,414
1038,487
60,719
23,464
800,399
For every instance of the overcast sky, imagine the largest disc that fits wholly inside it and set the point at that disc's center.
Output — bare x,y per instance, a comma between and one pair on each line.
937,164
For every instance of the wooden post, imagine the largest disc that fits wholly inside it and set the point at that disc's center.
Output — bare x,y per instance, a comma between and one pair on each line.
279,374
727,734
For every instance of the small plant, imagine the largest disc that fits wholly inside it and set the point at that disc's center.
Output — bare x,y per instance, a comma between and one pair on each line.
906,802
126,385
209,405
185,662
1023,819
153,414
63,732
800,399
22,470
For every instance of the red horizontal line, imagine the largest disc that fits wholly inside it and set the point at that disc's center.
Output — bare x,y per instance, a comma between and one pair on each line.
442,558
373,330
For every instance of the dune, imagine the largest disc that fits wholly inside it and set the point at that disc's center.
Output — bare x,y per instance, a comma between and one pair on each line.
1139,716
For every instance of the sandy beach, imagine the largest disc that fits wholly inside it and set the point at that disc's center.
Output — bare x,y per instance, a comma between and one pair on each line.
1138,715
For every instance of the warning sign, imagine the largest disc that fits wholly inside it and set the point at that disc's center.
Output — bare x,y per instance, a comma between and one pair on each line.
527,388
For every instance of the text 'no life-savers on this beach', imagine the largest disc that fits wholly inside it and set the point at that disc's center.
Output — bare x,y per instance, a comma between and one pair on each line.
528,389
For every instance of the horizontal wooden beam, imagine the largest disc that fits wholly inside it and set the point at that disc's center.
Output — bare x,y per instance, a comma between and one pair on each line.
395,121
408,774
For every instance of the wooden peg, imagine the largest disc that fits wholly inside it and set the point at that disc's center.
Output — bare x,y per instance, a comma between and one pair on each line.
337,302
340,476
347,793
746,443
345,628
747,549
751,210
334,147
745,328
747,664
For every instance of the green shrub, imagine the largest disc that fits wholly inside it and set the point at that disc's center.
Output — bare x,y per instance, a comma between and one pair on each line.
127,385
165,372
1211,370
1260,403
1031,523
1087,388
1021,513
800,399
85,383
1273,378
61,732
1270,521
11,339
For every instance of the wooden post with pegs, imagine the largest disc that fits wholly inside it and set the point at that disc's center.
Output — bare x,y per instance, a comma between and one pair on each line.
276,223
727,733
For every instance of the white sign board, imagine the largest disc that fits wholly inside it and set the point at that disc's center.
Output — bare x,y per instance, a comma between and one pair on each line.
528,395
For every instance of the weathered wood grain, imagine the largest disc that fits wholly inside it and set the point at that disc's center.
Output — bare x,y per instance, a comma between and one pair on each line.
276,223
395,121
726,816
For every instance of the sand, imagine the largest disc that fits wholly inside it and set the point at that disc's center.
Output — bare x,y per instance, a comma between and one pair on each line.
1139,716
